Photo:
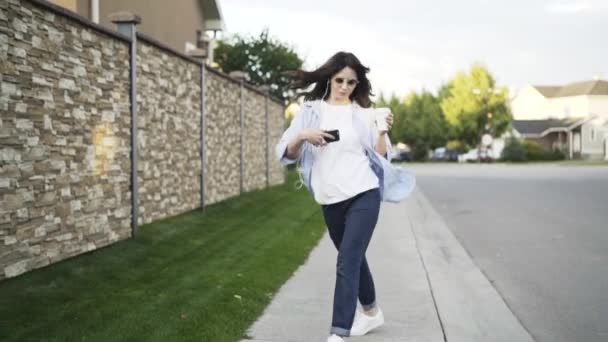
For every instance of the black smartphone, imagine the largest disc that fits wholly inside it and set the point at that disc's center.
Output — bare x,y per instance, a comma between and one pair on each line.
335,133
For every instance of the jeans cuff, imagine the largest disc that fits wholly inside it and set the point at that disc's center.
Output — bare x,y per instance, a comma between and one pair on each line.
368,307
340,331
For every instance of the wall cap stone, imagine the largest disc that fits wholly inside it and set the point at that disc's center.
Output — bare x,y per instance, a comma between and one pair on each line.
198,53
124,17
237,75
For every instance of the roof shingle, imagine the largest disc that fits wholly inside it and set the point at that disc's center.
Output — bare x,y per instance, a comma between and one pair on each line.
537,127
595,87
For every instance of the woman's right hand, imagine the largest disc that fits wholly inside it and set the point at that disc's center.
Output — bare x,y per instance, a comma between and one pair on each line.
316,137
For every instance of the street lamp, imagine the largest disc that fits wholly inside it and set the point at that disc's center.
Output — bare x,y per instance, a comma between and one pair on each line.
486,137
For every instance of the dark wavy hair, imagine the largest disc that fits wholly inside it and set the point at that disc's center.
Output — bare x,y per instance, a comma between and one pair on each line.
321,76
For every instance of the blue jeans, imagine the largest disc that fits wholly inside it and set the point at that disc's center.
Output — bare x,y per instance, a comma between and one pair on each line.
351,224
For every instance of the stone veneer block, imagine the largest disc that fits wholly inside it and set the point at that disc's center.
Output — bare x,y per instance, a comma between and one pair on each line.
222,117
276,123
64,138
168,101
254,141
65,124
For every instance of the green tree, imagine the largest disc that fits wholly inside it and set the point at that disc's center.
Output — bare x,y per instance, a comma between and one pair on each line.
419,122
467,101
262,58
425,127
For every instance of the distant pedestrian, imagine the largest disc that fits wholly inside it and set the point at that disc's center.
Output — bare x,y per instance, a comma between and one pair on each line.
342,149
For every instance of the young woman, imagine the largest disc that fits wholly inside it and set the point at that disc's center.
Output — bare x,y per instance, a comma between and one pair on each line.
348,174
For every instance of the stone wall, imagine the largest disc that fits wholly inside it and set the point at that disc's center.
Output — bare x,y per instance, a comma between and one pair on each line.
222,138
64,137
168,99
65,125
254,141
276,126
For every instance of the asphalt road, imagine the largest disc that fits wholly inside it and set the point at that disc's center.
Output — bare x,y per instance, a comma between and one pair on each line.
540,235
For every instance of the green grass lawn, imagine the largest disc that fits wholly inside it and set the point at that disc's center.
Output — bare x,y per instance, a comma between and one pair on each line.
194,277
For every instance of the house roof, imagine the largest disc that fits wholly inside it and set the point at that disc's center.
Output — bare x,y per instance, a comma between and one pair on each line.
214,20
542,127
595,87
548,91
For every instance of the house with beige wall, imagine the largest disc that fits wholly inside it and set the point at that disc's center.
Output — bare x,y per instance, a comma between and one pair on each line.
178,24
573,117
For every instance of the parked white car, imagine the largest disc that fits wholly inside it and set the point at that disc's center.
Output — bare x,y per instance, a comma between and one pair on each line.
473,156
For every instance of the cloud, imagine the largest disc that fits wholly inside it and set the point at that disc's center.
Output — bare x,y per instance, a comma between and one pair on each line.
576,6
394,67
415,45
526,57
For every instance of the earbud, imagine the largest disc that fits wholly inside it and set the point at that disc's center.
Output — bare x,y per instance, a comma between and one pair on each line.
326,89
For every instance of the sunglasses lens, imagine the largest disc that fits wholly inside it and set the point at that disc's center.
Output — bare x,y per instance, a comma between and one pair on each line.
340,80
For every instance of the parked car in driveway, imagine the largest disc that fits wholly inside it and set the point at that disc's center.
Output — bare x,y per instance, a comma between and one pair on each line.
443,154
474,155
401,156
470,156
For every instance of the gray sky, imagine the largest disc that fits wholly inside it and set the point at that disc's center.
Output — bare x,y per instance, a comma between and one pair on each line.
415,44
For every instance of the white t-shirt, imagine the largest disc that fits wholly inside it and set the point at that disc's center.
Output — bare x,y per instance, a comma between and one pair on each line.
341,169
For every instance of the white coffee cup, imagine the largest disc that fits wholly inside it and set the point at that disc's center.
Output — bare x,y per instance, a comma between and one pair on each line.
381,114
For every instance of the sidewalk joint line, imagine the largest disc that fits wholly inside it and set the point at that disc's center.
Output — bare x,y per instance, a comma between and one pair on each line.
428,279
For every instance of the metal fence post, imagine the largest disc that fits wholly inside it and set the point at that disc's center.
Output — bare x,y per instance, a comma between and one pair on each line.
267,142
126,23
203,135
241,135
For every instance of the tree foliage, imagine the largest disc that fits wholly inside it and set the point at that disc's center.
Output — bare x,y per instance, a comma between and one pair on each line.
468,98
419,122
262,58
457,115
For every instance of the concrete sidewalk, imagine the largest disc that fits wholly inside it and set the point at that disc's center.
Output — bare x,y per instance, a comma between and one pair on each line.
426,283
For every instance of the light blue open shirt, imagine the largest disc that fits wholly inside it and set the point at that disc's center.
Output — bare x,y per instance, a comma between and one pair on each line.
396,183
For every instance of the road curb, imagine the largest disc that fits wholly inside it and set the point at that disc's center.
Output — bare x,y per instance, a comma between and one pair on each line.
469,307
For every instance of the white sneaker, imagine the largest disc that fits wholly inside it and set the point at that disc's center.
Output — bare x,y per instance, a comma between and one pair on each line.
335,338
364,323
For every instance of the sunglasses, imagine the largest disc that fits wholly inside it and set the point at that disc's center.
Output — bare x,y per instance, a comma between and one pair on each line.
350,83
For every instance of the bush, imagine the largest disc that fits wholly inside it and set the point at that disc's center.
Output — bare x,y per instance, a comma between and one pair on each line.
456,145
514,151
534,150
554,154
529,150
